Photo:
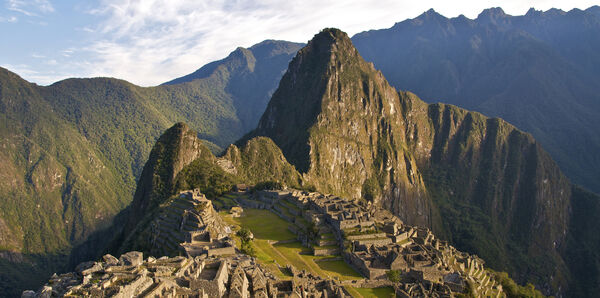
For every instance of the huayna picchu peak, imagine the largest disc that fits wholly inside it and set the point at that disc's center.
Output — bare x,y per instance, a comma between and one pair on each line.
350,133
346,186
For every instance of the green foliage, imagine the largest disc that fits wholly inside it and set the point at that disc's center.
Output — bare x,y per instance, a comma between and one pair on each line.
371,189
93,136
583,243
469,292
308,188
268,185
259,160
394,275
512,289
208,177
245,234
247,246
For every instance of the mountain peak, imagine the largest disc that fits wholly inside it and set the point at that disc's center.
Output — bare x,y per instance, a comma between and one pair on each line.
491,14
326,62
431,13
329,40
532,12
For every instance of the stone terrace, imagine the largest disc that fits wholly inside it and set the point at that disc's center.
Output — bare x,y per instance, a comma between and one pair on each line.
375,242
233,276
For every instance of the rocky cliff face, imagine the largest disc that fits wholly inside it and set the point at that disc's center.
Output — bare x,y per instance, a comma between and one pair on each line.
477,181
538,71
174,150
334,119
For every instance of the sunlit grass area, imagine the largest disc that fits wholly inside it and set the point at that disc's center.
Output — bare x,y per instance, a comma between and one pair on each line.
375,292
267,226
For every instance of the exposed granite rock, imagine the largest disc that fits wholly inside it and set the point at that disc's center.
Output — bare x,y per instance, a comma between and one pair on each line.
110,260
132,258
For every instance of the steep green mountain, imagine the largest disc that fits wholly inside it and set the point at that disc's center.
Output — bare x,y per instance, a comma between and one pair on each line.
479,182
72,151
179,161
246,78
539,71
56,187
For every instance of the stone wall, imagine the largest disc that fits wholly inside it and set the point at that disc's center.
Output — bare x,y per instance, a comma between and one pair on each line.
325,251
366,236
140,284
377,242
230,250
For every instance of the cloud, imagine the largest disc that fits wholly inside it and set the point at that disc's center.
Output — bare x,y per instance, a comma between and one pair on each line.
152,41
28,72
11,19
30,8
149,42
68,52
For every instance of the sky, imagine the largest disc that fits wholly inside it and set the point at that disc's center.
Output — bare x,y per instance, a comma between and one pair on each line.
153,41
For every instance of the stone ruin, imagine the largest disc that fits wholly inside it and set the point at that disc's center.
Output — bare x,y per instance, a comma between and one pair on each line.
375,242
189,225
371,240
234,276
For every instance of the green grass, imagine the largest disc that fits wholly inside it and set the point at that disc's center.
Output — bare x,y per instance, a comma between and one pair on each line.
376,292
327,236
289,205
265,225
326,247
337,268
285,211
292,252
302,221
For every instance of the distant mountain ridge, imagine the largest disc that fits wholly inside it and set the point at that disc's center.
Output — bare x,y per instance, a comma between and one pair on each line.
539,71
249,76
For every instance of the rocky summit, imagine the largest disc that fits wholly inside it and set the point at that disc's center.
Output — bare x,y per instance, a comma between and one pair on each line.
337,119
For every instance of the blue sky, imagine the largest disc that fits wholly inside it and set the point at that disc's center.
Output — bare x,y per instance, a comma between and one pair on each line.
152,41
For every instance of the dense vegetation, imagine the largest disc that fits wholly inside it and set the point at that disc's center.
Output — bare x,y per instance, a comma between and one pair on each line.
268,185
206,176
514,290
73,151
539,71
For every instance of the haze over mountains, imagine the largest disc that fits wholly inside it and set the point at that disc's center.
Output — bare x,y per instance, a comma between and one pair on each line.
72,151
539,71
